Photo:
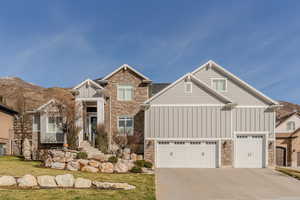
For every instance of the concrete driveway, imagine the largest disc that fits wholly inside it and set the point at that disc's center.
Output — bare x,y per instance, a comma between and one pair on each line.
225,184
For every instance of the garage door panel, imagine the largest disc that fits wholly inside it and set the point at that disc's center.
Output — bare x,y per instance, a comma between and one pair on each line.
249,151
188,154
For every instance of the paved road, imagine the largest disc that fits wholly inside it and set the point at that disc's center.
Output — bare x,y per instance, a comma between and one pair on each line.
225,184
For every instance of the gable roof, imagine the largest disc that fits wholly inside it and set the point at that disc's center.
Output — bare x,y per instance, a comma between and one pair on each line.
45,105
199,82
286,117
125,66
211,63
89,81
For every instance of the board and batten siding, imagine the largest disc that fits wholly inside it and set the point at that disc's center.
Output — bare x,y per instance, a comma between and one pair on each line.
87,92
253,120
187,122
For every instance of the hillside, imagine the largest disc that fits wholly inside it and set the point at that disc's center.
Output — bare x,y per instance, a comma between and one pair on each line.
13,89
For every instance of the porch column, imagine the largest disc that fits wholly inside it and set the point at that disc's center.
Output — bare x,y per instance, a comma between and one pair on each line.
100,111
79,121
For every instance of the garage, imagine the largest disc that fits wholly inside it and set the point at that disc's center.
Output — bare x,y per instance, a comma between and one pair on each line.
187,154
250,151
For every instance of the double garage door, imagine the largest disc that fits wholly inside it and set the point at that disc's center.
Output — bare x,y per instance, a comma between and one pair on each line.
249,152
187,154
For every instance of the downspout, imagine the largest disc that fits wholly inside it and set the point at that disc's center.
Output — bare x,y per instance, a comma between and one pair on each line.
110,133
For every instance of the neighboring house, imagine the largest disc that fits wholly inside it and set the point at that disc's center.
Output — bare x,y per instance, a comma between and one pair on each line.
210,118
7,116
287,140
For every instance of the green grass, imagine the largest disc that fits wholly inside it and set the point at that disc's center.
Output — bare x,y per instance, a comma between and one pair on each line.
16,167
290,172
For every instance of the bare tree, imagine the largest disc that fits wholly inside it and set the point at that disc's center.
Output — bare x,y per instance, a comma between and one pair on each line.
67,111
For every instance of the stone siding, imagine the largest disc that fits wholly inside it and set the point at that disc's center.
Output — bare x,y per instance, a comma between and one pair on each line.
115,108
226,153
271,154
149,150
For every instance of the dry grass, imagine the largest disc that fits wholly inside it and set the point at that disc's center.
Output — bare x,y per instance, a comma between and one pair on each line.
16,167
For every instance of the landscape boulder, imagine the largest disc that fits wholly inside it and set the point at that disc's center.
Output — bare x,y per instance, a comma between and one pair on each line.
66,180
121,167
27,181
82,183
107,167
73,166
46,181
139,157
133,157
58,165
94,163
114,186
6,181
89,169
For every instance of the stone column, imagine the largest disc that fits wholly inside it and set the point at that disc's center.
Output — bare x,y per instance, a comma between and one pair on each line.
79,121
226,153
149,150
100,111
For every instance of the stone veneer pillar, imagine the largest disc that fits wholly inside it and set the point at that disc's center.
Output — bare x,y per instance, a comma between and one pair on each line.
271,154
149,150
226,153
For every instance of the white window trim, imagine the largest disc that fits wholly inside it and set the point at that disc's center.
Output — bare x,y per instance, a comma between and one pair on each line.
185,87
56,127
212,83
289,128
125,123
124,85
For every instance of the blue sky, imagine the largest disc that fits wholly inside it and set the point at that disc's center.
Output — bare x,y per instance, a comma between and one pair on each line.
60,43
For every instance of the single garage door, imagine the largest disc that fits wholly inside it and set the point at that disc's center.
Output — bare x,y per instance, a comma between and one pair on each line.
249,151
187,154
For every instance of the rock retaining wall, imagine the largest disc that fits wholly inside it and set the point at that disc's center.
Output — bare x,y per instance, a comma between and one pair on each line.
59,181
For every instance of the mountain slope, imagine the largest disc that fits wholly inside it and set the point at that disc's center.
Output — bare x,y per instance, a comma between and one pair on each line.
14,89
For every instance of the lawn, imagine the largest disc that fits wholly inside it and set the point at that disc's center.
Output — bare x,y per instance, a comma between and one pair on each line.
290,172
16,167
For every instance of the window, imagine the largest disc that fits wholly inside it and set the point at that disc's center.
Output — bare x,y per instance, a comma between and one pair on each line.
291,126
54,125
188,87
219,84
125,92
35,122
125,125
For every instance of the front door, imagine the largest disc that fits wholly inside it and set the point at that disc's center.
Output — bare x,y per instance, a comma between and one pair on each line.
92,129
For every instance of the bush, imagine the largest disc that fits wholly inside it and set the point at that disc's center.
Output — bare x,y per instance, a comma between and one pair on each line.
143,163
136,169
113,159
148,164
81,155
102,139
139,163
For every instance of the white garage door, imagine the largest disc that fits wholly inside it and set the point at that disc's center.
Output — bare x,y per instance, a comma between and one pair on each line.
187,154
249,151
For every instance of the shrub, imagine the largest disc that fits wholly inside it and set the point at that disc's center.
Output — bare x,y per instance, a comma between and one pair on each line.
136,169
148,164
139,163
102,139
81,155
143,163
113,159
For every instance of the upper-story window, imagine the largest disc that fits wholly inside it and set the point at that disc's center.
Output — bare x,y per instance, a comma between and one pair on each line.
125,92
219,84
54,124
291,126
188,87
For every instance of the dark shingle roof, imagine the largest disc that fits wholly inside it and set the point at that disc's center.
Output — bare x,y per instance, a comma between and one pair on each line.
7,110
157,87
